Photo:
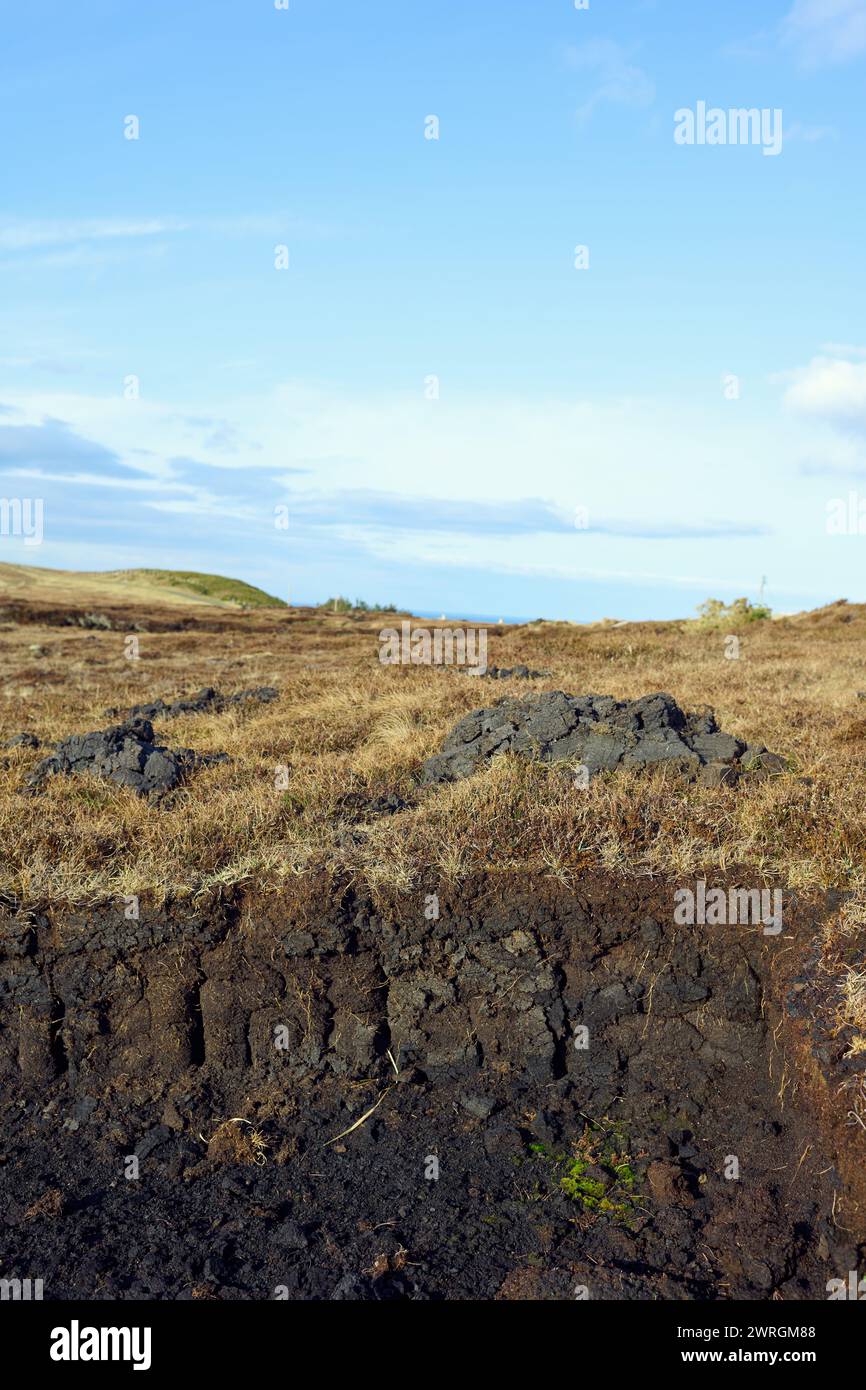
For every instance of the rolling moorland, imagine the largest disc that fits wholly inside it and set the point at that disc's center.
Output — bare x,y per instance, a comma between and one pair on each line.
430,952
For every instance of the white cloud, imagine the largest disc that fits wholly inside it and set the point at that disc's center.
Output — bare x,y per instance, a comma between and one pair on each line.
824,32
504,447
394,482
832,390
452,477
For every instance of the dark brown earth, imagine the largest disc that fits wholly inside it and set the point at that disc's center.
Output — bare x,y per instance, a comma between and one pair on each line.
290,1017
125,617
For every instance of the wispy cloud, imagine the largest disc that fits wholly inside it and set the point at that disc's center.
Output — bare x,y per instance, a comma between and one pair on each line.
843,350
815,33
825,468
18,235
616,79
825,32
23,235
809,134
55,366
529,516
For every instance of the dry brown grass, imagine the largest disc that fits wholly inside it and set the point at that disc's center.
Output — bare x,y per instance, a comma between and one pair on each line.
854,994
346,725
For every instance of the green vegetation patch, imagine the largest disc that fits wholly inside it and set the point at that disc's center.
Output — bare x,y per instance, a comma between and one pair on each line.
598,1174
215,586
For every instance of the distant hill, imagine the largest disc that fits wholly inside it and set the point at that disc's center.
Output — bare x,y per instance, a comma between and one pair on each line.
164,586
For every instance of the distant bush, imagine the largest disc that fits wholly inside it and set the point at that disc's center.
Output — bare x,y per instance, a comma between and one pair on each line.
343,605
714,613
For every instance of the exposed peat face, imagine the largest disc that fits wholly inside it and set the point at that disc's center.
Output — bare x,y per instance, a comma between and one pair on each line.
518,1090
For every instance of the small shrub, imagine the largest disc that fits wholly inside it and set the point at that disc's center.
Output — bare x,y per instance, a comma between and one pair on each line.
713,613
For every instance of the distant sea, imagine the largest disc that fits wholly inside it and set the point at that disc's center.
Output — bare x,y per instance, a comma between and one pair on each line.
489,620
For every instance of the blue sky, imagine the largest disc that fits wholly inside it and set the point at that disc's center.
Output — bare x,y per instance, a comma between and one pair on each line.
455,417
